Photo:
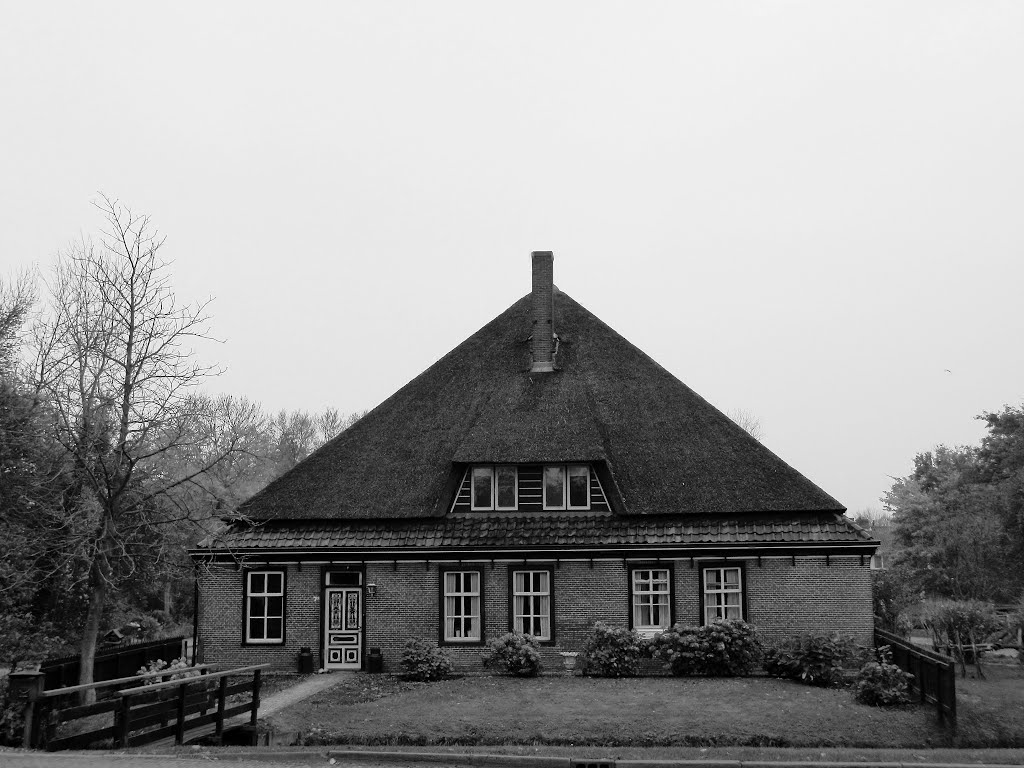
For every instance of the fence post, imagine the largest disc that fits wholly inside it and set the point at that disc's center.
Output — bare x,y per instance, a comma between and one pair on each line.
221,698
179,734
124,721
255,698
26,687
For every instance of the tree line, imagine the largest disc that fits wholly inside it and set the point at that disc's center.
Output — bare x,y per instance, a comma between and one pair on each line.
113,456
958,519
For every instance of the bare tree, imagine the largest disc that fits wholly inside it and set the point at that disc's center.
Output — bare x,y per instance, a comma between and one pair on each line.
114,362
17,298
748,421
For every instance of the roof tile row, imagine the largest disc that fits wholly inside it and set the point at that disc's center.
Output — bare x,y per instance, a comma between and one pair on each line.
488,531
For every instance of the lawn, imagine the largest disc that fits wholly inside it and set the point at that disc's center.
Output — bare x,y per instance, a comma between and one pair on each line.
577,711
990,712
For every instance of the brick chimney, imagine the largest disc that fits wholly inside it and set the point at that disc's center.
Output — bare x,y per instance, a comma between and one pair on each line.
542,343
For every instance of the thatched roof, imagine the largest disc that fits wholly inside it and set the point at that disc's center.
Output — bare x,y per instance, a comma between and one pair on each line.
664,448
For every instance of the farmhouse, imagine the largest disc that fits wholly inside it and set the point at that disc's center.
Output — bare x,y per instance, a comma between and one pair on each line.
543,475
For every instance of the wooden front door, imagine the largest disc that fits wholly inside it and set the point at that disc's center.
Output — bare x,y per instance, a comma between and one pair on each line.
343,632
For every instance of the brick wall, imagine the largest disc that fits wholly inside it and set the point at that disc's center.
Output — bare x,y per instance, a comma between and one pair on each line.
782,599
220,618
785,599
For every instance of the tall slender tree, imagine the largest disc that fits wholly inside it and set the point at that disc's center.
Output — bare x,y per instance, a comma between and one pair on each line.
115,362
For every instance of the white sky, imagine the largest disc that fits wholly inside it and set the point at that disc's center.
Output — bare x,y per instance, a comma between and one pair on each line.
805,210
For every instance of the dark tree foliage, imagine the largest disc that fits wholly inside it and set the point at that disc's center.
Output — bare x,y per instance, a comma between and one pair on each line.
958,518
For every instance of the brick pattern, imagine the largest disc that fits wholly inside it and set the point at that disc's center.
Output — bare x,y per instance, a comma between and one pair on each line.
786,599
542,310
221,605
782,598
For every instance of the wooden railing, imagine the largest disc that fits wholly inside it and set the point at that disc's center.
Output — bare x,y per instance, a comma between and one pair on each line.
934,674
143,713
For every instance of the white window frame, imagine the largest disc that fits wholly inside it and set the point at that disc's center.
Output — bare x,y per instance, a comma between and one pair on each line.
568,472
645,594
457,619
715,605
532,599
491,471
564,470
266,615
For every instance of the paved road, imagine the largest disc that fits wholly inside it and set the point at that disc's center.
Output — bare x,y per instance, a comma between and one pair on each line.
93,760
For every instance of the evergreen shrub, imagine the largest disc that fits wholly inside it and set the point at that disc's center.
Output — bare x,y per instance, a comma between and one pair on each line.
517,653
423,661
720,649
881,683
613,652
818,658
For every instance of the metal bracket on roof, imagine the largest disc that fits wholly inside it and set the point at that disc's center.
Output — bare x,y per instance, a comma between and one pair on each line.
827,563
862,558
492,563
794,560
758,561
394,565
558,564
591,563
426,565
691,563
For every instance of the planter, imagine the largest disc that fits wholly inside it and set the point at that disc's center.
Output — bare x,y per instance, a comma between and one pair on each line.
569,660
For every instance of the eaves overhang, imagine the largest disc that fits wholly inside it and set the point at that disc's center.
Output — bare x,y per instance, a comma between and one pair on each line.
632,552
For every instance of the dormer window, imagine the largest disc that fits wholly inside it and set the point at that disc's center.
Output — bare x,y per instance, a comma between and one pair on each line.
566,486
529,488
494,487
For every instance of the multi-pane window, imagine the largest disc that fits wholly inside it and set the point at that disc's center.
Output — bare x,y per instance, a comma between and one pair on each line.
494,488
723,594
264,607
531,603
462,607
652,594
567,486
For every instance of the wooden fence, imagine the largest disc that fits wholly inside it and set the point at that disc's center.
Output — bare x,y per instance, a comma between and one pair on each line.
120,662
145,712
934,674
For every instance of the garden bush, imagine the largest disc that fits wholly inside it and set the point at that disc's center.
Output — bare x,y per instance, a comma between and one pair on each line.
613,652
517,653
720,649
818,658
881,683
177,669
422,660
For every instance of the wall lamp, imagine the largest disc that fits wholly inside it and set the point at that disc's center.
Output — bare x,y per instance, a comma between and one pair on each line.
371,589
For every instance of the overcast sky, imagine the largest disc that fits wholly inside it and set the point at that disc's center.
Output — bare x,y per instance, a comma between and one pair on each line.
810,211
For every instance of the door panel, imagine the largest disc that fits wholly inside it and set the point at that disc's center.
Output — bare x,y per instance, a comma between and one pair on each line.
343,636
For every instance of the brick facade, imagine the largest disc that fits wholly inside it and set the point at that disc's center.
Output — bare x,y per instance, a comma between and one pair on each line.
783,597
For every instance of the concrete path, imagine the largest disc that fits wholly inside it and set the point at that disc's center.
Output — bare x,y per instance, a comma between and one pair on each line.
311,685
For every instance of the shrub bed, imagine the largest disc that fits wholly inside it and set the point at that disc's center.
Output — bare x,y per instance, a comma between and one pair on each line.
613,652
817,658
517,653
720,649
424,661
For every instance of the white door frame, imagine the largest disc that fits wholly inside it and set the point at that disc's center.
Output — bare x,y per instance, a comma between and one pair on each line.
343,628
